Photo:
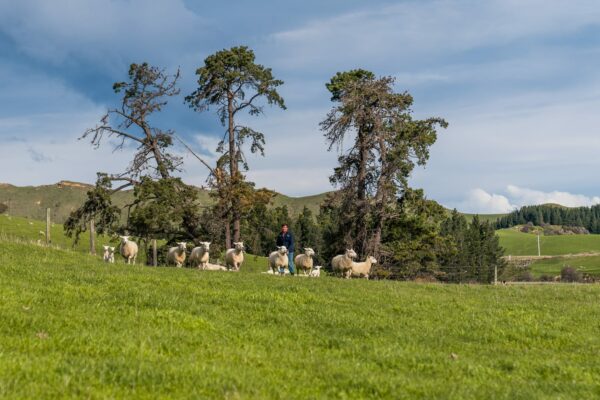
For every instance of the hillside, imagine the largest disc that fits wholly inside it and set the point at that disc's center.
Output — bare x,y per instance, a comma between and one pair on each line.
63,197
72,327
517,243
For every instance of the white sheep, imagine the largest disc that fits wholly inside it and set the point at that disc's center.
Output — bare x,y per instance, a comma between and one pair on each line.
199,255
235,257
278,260
214,267
362,269
342,263
304,262
109,254
176,255
129,249
315,272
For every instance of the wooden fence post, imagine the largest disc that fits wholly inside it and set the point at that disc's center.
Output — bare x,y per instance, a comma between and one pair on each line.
48,241
92,237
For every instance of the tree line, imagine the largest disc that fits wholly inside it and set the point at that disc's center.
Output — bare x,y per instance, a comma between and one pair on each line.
586,217
373,209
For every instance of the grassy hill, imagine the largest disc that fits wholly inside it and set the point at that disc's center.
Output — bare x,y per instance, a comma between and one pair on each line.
63,197
72,327
517,243
553,266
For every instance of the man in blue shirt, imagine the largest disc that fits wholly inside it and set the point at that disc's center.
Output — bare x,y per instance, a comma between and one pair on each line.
285,238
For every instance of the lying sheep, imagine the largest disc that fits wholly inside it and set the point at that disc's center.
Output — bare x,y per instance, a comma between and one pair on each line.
342,264
235,257
278,260
129,249
362,269
304,262
315,272
214,267
199,255
176,255
109,254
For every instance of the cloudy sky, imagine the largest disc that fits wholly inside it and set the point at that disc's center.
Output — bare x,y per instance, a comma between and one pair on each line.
518,81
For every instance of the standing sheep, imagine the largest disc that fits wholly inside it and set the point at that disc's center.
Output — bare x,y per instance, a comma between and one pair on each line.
342,263
278,260
235,257
304,261
199,255
362,269
128,250
316,272
109,254
176,255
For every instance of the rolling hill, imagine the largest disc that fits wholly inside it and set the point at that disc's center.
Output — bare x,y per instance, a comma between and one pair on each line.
63,197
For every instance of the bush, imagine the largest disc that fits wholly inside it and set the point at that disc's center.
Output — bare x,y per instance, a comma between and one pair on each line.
546,278
570,274
3,208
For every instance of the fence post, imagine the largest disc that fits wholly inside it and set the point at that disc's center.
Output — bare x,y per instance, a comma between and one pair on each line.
495,274
154,254
48,241
92,237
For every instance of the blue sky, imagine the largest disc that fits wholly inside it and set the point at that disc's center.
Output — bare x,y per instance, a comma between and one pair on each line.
518,81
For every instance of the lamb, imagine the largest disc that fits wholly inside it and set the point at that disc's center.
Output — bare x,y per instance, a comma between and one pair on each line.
362,269
342,263
315,272
304,261
278,260
214,267
176,255
199,255
235,257
109,254
129,249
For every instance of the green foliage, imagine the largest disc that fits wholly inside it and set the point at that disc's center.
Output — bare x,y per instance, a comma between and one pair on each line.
164,209
342,81
98,207
72,327
553,214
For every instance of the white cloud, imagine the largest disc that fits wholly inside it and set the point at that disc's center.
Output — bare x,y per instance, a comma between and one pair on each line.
481,202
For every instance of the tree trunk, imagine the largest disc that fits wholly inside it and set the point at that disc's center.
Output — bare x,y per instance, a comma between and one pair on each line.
363,158
228,235
154,254
380,200
92,237
233,166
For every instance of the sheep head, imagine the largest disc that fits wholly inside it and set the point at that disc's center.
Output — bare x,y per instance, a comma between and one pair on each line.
205,245
351,253
309,252
282,250
112,249
106,248
238,245
373,260
124,239
182,246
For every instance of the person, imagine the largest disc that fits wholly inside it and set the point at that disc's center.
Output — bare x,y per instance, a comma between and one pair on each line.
285,238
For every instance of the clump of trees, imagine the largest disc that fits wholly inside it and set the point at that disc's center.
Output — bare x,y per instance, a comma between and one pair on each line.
586,217
373,210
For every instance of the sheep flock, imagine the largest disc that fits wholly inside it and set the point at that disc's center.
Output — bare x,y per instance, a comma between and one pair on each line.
343,265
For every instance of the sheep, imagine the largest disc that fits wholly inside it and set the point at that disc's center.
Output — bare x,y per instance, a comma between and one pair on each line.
362,269
304,261
315,272
214,267
278,260
342,263
235,257
176,255
129,249
199,255
109,254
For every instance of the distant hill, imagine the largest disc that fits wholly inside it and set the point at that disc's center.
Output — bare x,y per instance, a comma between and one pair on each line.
65,196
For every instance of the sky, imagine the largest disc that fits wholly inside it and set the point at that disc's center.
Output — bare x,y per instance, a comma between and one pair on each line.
517,80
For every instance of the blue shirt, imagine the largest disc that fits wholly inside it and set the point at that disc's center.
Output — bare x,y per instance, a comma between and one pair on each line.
287,240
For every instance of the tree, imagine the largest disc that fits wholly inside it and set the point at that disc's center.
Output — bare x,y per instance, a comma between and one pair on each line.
307,231
231,81
375,170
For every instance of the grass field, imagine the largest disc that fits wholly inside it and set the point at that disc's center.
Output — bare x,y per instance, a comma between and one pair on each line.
525,244
71,326
553,266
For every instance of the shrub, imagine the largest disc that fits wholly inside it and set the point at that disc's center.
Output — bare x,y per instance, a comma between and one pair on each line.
570,274
546,278
3,208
